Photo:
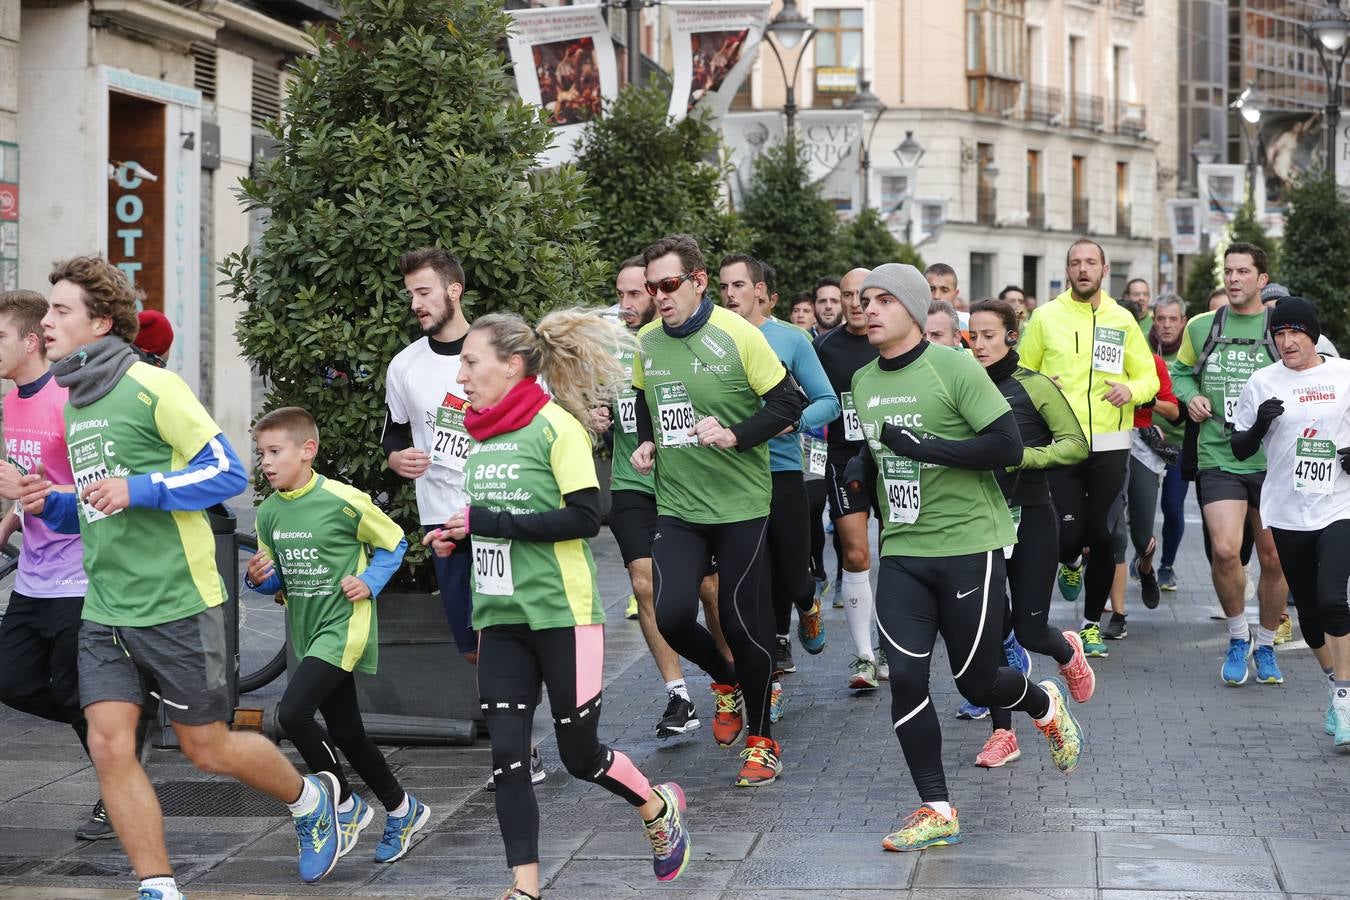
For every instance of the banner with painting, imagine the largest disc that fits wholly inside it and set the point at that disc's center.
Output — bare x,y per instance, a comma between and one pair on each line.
745,136
564,62
1183,221
713,45
1222,190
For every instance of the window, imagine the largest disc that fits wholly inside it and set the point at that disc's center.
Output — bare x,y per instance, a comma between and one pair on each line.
996,58
981,276
1080,203
839,54
1035,197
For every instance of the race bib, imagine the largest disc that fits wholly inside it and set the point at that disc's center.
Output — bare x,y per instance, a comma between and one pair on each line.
450,441
676,415
1232,391
852,424
1314,466
1108,350
492,567
626,404
89,464
814,450
901,480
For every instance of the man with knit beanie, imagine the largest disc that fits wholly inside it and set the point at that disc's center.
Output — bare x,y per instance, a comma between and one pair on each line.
936,427
154,338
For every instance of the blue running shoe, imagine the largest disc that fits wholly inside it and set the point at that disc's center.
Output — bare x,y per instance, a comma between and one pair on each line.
1017,655
352,822
1267,670
1235,663
1330,725
1070,582
669,837
156,894
1342,726
399,831
969,710
777,702
810,631
318,832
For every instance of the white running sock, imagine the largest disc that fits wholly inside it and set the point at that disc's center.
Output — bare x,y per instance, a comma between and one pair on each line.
678,687
1049,713
402,809
1237,628
1264,637
346,805
166,885
941,807
856,591
307,802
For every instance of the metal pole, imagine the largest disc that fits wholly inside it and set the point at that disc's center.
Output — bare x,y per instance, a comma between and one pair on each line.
790,108
1333,122
633,26
866,164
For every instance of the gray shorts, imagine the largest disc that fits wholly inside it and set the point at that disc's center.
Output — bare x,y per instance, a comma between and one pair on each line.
184,658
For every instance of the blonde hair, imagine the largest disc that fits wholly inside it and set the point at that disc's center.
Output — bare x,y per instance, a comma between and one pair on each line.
293,421
574,350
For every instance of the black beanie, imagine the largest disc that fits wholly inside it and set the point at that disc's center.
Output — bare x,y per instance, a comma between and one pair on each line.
1298,314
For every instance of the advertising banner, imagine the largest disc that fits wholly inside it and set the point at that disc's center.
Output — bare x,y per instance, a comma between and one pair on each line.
746,135
713,45
1222,189
1183,223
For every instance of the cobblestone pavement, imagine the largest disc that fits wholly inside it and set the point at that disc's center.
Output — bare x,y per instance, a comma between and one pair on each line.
1188,789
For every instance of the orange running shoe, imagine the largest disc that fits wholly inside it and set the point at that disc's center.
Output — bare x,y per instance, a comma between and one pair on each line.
762,765
728,718
999,749
1082,680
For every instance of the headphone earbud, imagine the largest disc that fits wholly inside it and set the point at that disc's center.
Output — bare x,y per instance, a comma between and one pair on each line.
1010,337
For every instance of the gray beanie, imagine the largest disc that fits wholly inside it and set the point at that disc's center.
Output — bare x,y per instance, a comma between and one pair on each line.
906,284
1273,291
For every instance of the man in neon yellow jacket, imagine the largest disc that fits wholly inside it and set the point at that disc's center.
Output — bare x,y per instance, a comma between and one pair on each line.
1093,349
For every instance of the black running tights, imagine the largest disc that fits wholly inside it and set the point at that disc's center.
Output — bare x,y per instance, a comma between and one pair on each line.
788,582
1089,497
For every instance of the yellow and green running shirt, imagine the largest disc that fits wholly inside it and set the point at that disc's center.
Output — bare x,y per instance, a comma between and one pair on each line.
623,412
316,536
721,370
536,583
929,509
146,566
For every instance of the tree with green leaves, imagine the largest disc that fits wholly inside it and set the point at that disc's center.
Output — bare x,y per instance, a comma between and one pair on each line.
795,228
403,130
866,241
649,176
1200,283
1315,263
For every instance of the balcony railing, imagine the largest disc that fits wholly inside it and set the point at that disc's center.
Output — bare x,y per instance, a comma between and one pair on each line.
1043,103
986,202
1133,7
1129,119
1122,220
1080,215
1086,111
1036,210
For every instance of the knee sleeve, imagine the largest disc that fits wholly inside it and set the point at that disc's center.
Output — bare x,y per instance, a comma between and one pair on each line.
578,744
509,726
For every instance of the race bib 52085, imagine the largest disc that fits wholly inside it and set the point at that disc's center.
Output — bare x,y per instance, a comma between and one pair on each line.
676,415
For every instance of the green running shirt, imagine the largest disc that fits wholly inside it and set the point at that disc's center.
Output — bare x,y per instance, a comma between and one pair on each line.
927,509
316,536
721,370
623,477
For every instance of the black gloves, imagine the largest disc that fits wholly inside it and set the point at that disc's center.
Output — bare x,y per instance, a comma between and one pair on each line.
1343,455
855,473
901,441
1270,409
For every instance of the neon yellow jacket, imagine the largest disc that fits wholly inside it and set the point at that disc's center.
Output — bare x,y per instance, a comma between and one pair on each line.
1058,341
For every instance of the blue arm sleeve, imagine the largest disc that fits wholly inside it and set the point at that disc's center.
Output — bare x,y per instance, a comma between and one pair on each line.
271,586
62,512
810,374
383,564
213,476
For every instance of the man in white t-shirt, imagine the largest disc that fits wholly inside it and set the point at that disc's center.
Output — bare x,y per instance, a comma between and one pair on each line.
1300,410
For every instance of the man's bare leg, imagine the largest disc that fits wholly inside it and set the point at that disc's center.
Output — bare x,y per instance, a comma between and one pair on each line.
250,758
127,794
1224,519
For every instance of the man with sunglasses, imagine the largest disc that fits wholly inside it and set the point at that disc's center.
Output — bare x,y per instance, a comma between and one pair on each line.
710,394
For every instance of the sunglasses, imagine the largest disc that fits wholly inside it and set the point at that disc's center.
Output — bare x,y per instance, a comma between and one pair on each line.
670,285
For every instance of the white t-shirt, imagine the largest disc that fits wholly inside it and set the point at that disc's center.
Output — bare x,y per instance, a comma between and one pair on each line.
1305,489
420,390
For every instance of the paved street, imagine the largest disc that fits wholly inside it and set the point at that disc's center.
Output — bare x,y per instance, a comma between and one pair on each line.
1188,789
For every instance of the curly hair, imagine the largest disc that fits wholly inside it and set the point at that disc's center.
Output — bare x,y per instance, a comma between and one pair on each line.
107,292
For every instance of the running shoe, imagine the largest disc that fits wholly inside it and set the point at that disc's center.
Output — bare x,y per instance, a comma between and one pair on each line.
1001,748
98,827
1330,724
811,629
883,666
728,718
146,893
1017,655
924,828
1284,633
317,831
537,773
862,674
669,837
1342,725
631,611
1149,589
515,893
1167,578
1115,629
762,765
1267,669
783,663
968,710
1070,582
352,822
822,587
1093,645
1235,662
678,718
1081,679
1062,732
399,831
777,702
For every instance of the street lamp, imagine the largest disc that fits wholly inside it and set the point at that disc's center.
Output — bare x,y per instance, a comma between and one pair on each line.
790,28
1247,105
908,152
1329,34
869,104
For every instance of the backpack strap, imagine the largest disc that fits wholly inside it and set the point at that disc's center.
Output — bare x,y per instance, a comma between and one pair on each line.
1215,332
1266,340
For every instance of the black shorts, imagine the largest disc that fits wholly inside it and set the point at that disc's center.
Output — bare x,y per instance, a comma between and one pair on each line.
1213,485
632,521
844,502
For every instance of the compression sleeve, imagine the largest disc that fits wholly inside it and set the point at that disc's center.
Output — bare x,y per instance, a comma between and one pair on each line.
782,405
396,436
1247,444
213,476
61,512
998,445
579,518
644,418
382,566
1067,444
810,374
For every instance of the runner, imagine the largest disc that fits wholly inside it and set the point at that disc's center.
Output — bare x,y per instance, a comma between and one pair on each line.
1300,410
803,313
1219,353
829,314
130,424
843,352
787,580
1051,437
1169,321
39,635
829,304
1094,351
936,429
944,324
1018,298
698,367
534,500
